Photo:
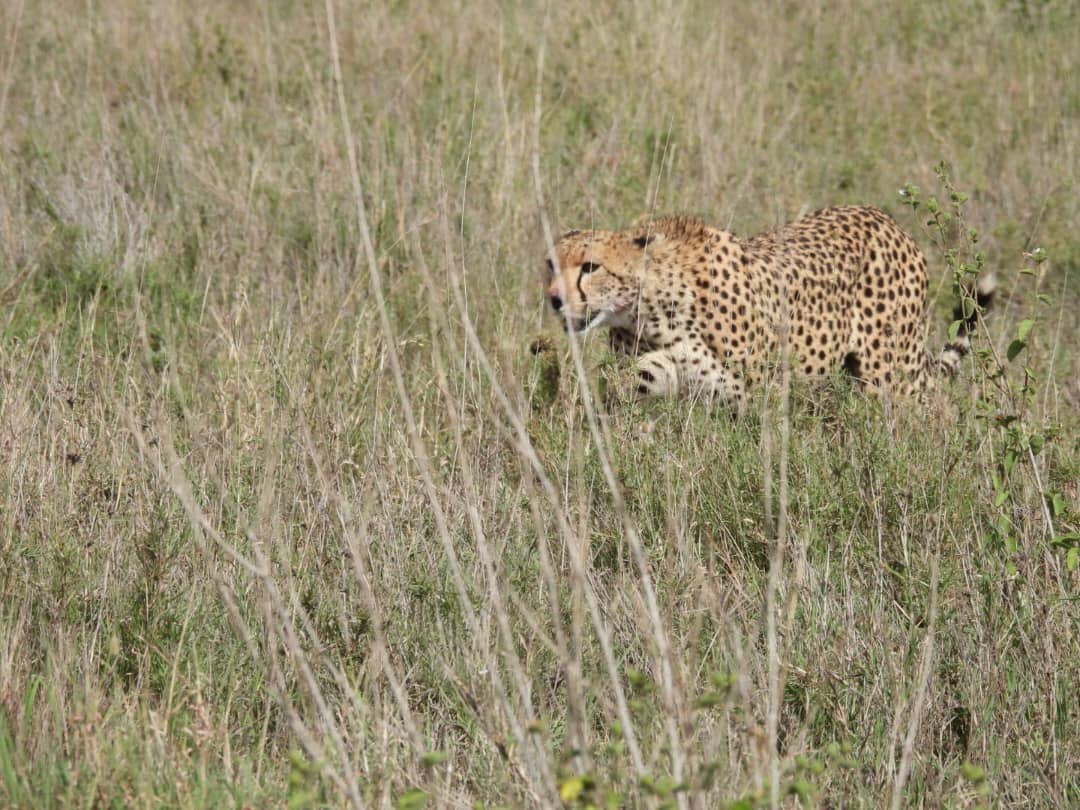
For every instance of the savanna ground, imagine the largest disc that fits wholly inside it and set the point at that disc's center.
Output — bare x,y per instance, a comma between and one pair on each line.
291,514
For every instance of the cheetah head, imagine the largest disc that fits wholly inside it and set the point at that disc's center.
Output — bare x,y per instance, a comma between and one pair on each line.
595,278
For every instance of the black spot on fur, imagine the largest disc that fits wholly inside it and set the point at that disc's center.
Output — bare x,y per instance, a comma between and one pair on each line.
852,366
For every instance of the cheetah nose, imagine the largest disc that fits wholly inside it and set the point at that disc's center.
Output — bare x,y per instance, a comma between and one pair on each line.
556,302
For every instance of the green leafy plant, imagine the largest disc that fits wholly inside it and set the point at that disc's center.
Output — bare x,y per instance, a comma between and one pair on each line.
1007,385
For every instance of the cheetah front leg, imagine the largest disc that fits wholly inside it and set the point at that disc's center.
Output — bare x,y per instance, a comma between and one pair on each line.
667,372
713,382
657,374
625,343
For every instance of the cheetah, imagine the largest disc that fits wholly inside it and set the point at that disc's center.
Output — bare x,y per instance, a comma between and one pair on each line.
704,311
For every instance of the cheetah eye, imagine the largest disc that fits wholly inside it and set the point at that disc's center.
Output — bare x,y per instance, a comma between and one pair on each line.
589,267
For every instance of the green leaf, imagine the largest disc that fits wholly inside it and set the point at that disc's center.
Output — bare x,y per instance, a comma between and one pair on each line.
1072,558
1010,460
303,788
1067,540
1024,329
571,788
664,786
801,788
954,329
1014,349
1001,497
638,679
707,775
1058,504
973,773
432,758
708,700
723,680
412,799
30,698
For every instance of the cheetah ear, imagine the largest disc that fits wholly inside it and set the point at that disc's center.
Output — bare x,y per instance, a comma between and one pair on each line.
646,237
646,231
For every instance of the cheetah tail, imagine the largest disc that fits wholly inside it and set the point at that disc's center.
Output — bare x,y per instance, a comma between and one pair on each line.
957,348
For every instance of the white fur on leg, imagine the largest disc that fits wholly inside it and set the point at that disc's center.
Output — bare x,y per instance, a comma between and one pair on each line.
657,374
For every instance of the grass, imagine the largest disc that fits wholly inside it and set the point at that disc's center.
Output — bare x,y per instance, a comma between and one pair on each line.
290,514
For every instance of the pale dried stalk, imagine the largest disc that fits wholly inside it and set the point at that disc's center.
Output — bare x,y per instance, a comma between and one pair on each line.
926,667
676,711
359,552
172,472
545,776
569,662
523,445
777,526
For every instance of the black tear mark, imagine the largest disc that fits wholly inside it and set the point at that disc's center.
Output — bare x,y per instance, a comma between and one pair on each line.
581,292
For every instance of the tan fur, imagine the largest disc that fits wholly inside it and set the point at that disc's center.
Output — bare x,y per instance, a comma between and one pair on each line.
702,310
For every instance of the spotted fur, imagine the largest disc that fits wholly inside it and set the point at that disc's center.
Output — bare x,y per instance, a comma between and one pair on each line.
704,311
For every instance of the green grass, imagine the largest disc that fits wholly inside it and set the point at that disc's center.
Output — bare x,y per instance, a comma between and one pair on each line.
241,565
